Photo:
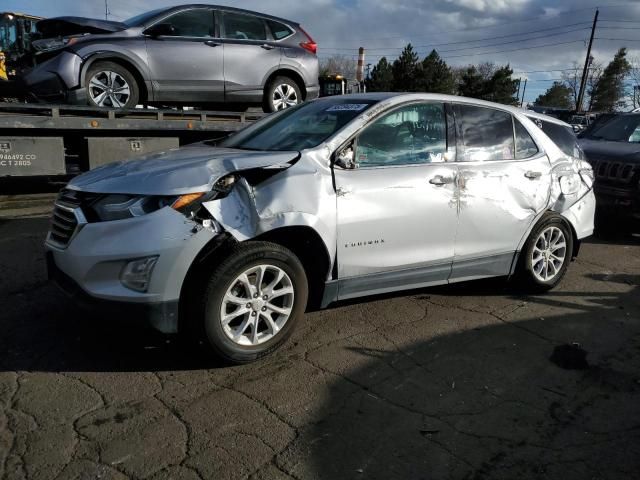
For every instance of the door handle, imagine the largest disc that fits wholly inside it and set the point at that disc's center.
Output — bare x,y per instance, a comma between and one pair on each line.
533,175
211,43
266,46
439,180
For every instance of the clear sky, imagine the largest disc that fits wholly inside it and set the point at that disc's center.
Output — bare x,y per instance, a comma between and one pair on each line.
554,32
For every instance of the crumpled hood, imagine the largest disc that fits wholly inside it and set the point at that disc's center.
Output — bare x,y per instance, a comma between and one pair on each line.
190,169
605,150
63,26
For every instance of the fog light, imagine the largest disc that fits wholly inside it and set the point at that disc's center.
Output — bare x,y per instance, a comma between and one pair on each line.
137,273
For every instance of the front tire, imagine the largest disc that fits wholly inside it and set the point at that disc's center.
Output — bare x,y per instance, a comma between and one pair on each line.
281,93
111,85
253,301
546,255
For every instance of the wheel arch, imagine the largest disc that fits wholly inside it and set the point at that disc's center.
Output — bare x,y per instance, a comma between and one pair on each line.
290,73
123,61
308,246
542,217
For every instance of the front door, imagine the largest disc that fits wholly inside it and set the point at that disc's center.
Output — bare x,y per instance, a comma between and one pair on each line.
396,211
187,64
503,183
250,54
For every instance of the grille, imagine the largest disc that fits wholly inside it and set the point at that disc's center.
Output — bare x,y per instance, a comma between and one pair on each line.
64,221
612,171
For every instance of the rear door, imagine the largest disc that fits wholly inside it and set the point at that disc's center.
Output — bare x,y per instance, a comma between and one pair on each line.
188,64
504,184
396,211
250,54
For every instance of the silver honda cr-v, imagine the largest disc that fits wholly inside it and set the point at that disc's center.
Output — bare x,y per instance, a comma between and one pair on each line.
186,55
333,199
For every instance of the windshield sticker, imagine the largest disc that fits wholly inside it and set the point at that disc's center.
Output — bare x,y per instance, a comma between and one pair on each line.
348,107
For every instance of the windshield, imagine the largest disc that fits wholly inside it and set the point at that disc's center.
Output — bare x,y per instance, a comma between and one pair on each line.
625,128
143,18
7,33
300,127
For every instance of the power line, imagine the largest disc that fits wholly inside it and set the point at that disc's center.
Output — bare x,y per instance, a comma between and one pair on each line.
618,39
495,25
496,51
481,39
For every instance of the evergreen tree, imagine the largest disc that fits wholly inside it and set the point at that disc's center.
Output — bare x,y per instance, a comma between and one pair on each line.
381,79
435,76
471,83
406,71
557,95
608,95
501,88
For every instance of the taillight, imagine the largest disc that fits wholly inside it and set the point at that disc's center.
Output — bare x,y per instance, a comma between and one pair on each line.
309,45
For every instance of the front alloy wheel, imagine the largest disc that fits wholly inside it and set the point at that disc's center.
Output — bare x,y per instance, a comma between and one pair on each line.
109,89
257,305
254,297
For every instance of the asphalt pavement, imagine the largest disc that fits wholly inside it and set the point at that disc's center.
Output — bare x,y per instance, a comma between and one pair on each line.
472,381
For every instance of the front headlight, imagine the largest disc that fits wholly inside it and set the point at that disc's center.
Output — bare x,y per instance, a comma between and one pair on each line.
50,44
120,207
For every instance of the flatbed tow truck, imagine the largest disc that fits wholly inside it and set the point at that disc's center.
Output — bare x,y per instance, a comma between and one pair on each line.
43,144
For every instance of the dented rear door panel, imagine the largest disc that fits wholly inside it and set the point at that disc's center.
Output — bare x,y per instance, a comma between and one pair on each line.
498,203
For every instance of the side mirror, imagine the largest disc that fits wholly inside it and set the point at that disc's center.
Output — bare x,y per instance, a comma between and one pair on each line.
345,158
161,29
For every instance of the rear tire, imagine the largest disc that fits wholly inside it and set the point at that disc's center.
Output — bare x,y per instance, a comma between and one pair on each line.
281,93
546,254
253,300
111,85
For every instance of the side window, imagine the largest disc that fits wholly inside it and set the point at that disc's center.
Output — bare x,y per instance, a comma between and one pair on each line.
525,146
197,22
279,30
487,134
563,137
243,27
409,135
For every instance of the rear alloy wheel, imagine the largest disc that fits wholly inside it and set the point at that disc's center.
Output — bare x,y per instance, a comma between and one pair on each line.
111,85
282,93
254,298
547,253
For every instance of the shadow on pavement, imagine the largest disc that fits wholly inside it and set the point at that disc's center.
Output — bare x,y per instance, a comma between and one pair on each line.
513,400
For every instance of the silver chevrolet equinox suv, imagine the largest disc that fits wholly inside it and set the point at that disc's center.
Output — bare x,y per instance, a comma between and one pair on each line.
186,55
333,199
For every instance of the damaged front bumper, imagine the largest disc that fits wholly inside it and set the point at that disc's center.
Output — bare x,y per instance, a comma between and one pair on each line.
55,80
91,267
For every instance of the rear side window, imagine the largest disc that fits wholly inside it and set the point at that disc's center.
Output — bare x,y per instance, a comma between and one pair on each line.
525,146
562,136
486,134
192,23
279,30
243,27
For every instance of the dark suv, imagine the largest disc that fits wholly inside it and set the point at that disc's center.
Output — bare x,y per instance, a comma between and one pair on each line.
613,149
187,55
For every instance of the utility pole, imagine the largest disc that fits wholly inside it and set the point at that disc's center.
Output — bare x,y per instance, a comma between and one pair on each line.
106,9
519,82
524,89
587,62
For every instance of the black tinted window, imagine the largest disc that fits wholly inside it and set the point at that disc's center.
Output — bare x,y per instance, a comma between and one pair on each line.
243,27
408,135
192,23
525,146
625,128
278,30
487,134
562,136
